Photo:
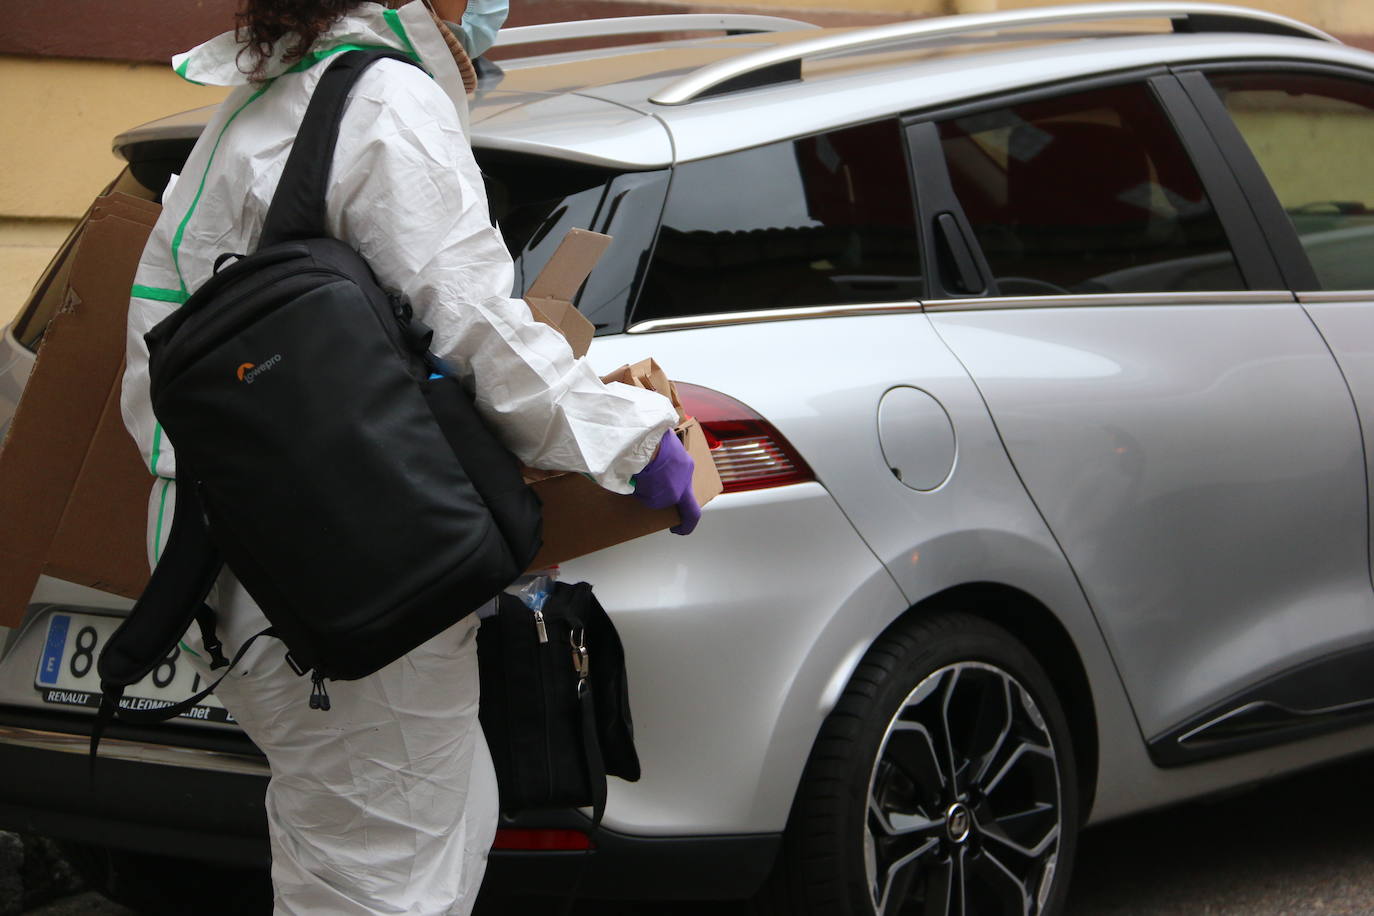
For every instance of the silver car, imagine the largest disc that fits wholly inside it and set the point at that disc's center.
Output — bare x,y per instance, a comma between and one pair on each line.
1037,351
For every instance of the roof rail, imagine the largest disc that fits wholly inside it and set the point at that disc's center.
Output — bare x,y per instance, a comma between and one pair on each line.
645,25
1187,17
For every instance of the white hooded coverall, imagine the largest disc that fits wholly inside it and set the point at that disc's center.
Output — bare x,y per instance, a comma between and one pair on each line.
387,802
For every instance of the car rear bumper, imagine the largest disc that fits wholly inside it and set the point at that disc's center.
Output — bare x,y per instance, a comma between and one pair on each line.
625,867
212,811
207,803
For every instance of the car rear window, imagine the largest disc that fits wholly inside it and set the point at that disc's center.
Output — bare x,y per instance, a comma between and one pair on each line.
536,200
824,220
1086,193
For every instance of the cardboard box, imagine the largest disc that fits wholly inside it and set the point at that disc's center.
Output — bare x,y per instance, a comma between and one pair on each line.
73,489
581,517
551,294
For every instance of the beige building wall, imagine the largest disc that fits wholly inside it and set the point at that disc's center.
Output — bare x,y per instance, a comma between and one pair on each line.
59,118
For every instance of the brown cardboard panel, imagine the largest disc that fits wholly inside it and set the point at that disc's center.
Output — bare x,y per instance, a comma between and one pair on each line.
567,320
649,374
550,296
581,517
63,408
127,206
101,539
570,265
706,483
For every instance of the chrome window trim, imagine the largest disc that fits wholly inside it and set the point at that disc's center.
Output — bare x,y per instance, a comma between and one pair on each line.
761,315
136,751
1336,295
1239,297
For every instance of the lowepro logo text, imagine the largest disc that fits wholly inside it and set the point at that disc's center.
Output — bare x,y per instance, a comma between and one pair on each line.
248,372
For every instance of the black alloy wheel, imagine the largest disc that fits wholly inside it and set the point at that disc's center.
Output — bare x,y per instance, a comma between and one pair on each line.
943,784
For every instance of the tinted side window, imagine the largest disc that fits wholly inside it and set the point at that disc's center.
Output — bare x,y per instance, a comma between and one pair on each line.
535,201
1088,193
826,220
1312,136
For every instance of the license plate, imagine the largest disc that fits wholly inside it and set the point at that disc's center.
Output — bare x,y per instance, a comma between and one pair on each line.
66,671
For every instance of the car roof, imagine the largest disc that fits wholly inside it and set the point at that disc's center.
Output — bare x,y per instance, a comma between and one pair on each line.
643,106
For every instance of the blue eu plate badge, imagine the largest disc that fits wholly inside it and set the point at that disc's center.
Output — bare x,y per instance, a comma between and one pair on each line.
51,665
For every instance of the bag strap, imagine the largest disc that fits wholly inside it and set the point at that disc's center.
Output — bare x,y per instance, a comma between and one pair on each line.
596,775
298,206
109,703
174,597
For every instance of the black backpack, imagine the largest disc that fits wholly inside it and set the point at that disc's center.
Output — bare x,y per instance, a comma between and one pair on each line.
349,484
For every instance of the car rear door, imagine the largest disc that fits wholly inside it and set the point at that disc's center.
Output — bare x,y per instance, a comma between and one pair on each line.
1169,406
1299,135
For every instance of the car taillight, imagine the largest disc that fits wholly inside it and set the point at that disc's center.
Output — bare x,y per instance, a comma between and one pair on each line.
542,840
750,454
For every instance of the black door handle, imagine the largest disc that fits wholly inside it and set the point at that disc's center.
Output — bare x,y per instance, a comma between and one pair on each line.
958,270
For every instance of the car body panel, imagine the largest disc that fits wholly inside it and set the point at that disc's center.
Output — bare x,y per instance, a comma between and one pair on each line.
1348,329
15,365
821,390
1247,532
720,654
572,127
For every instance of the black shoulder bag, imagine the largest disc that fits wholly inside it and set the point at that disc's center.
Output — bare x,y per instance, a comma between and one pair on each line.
555,702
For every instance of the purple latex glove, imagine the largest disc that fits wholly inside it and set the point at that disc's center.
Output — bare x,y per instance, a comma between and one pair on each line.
667,481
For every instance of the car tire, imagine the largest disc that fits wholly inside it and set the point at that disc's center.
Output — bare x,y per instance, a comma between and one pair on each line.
879,828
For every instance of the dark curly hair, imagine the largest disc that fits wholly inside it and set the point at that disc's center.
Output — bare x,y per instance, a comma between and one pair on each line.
261,23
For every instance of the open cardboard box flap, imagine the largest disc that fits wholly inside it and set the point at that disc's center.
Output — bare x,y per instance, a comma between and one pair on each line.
551,294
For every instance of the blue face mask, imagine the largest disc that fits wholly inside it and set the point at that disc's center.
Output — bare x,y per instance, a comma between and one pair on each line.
481,22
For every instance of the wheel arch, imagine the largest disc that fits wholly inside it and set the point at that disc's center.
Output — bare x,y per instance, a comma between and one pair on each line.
1040,631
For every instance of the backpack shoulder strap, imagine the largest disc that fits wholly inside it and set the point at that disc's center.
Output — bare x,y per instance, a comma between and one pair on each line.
183,576
298,206
174,596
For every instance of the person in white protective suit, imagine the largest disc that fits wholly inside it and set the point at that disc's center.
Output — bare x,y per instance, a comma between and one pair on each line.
386,803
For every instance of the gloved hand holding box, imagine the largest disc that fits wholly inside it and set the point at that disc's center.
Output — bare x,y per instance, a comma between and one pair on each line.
579,516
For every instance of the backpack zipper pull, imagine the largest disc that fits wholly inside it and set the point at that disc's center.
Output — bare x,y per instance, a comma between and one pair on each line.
539,626
319,697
